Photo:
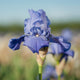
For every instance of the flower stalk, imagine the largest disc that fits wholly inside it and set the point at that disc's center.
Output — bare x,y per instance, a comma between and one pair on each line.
40,72
59,78
40,60
58,75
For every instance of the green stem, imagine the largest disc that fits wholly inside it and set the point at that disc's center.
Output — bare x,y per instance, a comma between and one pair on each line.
58,77
40,72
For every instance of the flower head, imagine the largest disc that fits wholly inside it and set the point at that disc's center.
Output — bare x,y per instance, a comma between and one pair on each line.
59,46
36,32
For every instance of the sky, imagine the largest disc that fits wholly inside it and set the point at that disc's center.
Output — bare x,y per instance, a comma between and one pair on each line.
56,10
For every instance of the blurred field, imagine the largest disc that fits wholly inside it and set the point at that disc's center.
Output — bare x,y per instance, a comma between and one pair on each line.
16,65
21,64
59,26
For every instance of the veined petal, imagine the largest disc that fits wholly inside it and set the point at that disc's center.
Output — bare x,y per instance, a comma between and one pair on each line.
37,19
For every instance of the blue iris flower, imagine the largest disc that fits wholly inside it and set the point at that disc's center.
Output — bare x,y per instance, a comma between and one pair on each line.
37,24
61,45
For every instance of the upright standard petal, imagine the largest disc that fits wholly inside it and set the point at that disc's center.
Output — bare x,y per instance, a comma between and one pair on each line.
38,19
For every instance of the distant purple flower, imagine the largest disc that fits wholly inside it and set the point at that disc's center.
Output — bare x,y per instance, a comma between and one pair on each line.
48,72
67,34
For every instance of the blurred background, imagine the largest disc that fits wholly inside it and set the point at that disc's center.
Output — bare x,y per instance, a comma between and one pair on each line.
21,64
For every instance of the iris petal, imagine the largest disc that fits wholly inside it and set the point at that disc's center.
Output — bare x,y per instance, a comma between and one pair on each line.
70,53
14,43
37,19
35,43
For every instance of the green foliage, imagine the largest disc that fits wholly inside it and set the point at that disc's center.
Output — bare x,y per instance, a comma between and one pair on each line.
17,69
11,28
60,26
71,77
